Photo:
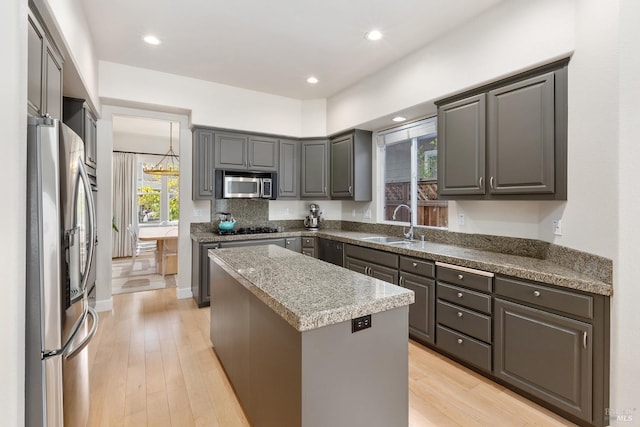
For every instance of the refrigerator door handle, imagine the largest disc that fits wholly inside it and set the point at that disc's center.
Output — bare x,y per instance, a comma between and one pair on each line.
92,224
72,352
75,329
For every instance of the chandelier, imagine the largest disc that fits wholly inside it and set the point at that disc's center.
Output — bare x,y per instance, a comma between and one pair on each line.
172,166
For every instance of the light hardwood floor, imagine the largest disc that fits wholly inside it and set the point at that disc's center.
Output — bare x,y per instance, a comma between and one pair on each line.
152,365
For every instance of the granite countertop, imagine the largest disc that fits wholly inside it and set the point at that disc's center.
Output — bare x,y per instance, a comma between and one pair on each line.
306,292
540,270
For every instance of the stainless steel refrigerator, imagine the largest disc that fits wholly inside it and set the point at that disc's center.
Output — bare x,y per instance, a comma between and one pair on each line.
61,233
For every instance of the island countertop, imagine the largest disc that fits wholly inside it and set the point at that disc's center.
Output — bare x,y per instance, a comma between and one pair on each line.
306,292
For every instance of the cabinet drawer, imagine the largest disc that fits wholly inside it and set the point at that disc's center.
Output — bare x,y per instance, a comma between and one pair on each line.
464,348
308,242
545,296
465,297
474,279
374,256
418,266
309,252
466,321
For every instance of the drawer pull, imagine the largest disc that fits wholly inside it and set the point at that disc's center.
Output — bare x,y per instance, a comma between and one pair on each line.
460,277
401,280
459,340
415,264
460,315
584,339
459,295
536,293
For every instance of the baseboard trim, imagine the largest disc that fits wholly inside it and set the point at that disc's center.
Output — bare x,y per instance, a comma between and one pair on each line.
183,293
104,305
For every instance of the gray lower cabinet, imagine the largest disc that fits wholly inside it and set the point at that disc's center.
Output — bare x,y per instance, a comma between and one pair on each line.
293,243
350,176
506,140
372,262
200,262
314,169
464,315
44,71
546,355
203,187
289,170
309,245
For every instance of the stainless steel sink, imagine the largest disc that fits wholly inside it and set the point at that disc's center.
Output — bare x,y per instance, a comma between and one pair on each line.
388,240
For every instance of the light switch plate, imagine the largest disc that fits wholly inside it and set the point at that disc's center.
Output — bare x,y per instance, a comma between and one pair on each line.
461,219
557,227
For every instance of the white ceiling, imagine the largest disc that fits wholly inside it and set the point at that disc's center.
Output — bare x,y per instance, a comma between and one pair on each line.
271,46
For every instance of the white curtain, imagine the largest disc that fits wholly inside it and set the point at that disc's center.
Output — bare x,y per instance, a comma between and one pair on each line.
124,174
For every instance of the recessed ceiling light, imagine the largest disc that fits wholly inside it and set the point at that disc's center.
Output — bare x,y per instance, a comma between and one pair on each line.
151,40
373,35
399,119
312,80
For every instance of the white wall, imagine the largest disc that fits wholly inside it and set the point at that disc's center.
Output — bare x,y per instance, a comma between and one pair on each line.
66,18
213,104
13,104
625,322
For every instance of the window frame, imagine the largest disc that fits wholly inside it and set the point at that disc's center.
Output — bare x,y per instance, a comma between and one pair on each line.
398,134
164,193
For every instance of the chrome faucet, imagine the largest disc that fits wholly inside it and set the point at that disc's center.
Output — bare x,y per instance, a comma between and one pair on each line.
408,235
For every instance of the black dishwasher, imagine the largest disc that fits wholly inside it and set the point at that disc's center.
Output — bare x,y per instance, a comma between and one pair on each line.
331,251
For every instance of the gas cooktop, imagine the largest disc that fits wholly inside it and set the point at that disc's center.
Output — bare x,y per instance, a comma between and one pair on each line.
247,230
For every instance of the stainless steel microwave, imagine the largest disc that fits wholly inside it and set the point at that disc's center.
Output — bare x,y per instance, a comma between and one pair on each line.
245,185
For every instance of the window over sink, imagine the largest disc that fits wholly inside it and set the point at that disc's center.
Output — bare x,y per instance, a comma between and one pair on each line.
409,156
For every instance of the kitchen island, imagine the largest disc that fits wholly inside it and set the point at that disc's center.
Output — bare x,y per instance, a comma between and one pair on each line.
307,343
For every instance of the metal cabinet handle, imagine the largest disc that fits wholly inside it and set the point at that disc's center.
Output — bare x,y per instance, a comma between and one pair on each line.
415,264
370,271
459,295
491,182
350,189
460,277
460,315
536,293
584,339
325,190
459,340
401,280
480,182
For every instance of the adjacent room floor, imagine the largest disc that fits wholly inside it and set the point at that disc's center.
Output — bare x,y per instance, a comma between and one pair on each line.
141,276
152,364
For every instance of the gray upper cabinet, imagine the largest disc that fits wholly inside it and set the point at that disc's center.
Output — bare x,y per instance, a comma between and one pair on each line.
289,170
44,70
262,153
236,151
351,166
521,137
462,158
508,140
78,116
203,164
314,172
231,151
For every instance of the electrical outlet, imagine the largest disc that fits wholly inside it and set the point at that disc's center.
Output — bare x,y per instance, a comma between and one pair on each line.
353,213
367,213
286,212
197,212
360,323
461,219
557,227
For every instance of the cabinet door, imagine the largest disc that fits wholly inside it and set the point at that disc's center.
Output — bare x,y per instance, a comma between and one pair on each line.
342,167
314,169
422,312
35,44
544,354
461,147
89,139
309,252
293,244
356,265
263,154
230,151
53,83
384,273
203,170
289,170
521,137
